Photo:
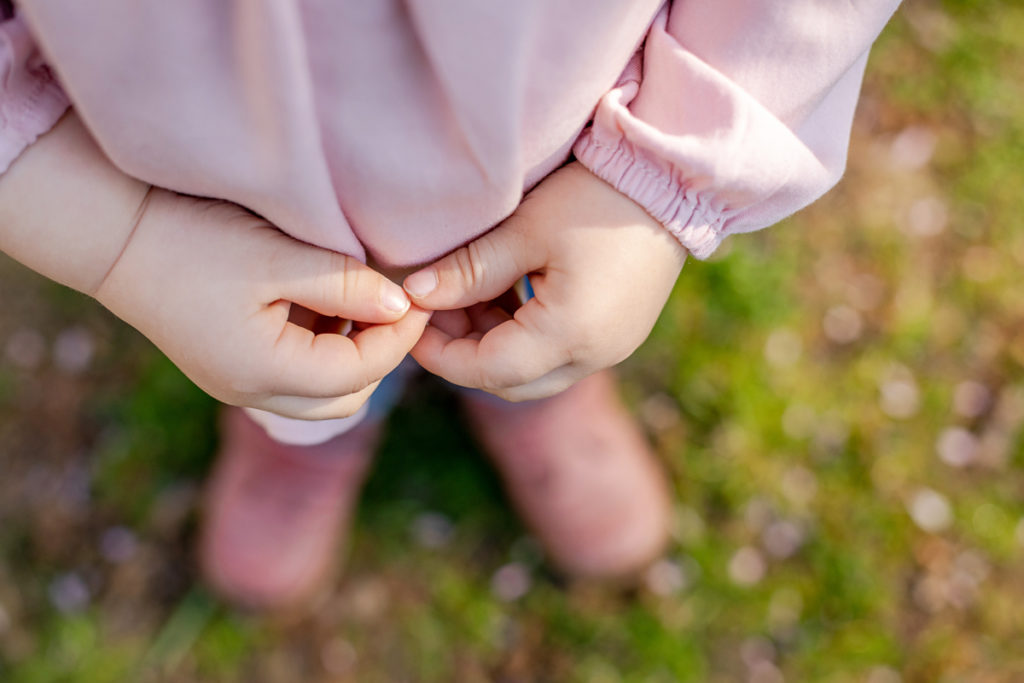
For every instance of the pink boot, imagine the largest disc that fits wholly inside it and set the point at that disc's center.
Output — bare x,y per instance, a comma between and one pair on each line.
275,514
581,474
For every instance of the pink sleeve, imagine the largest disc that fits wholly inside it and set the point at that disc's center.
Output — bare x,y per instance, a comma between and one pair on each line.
31,101
736,113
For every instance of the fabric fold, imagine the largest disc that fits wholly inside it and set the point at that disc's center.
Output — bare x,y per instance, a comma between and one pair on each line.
729,126
31,99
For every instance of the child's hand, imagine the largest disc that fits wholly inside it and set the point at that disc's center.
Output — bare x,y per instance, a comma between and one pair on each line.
212,286
601,270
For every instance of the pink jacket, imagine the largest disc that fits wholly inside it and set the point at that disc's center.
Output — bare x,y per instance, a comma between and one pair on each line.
408,127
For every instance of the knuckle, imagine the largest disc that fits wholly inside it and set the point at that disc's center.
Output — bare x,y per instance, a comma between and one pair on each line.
470,266
360,378
583,343
346,407
599,340
349,405
333,281
360,381
490,382
509,395
502,377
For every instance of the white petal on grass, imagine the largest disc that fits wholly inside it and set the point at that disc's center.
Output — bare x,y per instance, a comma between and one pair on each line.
961,591
971,399
927,217
73,350
973,565
782,538
747,567
432,530
25,349
118,544
799,485
957,447
930,510
69,593
913,148
843,324
368,598
900,397
511,582
666,577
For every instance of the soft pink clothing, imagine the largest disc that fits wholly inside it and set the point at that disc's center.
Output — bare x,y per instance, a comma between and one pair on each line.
409,127
31,101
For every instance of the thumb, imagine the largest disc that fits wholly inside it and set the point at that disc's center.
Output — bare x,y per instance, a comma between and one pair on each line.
480,271
337,285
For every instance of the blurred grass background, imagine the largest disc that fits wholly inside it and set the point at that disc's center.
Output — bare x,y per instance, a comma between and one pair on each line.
839,402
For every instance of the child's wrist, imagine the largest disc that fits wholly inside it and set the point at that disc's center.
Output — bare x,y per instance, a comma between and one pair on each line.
65,210
598,202
124,286
606,196
96,287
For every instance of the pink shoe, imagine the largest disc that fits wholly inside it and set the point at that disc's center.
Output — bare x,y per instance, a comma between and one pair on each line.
581,474
275,514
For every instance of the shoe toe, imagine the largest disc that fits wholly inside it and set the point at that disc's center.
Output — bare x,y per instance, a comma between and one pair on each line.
276,514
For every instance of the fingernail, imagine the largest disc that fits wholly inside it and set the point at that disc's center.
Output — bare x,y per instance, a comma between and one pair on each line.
421,283
393,298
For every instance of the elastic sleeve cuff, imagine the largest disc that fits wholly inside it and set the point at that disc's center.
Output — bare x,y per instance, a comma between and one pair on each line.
31,100
697,226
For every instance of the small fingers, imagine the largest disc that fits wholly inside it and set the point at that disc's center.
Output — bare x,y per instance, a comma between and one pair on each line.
509,355
555,382
331,365
336,285
472,322
479,271
328,408
485,317
454,323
